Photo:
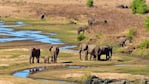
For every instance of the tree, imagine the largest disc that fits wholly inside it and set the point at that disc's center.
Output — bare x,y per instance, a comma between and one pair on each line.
90,3
139,6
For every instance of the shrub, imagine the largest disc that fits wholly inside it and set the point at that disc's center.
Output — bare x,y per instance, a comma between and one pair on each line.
139,6
89,3
146,23
131,33
144,44
81,37
85,77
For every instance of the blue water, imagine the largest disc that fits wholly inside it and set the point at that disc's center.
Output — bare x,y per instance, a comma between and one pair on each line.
22,74
37,36
27,72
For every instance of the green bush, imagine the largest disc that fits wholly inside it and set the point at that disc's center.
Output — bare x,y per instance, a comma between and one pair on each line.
144,44
139,6
81,37
146,23
85,77
131,33
90,3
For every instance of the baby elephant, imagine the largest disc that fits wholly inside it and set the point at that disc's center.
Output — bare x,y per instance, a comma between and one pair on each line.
46,59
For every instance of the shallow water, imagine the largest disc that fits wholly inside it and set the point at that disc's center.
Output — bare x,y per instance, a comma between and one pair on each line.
25,74
75,67
13,35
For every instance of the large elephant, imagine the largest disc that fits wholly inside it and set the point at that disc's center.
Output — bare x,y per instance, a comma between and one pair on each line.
95,51
107,50
46,59
34,53
88,49
54,52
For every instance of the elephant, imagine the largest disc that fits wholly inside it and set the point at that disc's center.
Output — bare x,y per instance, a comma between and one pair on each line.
107,50
82,29
124,41
46,59
54,52
34,53
95,51
88,49
122,6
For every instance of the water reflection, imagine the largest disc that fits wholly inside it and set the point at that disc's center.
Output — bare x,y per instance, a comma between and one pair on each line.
27,72
22,74
38,69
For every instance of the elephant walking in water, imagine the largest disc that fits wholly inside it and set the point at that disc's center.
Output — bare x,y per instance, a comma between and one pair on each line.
54,52
34,53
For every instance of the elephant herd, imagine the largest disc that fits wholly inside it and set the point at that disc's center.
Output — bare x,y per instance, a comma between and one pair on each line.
35,53
95,51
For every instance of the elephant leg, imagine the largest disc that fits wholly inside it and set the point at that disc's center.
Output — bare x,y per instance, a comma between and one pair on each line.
32,59
107,56
86,55
55,60
80,54
95,57
90,57
99,57
52,59
48,60
37,59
